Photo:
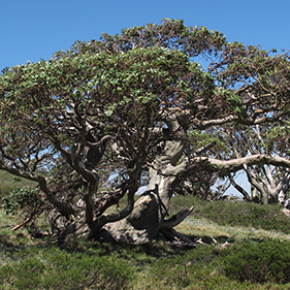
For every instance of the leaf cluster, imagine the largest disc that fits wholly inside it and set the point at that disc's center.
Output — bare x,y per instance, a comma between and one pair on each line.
26,200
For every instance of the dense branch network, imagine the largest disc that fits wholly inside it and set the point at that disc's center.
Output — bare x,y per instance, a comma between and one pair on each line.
138,104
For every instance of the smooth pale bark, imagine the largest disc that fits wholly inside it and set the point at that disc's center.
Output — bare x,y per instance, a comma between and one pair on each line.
147,216
149,211
234,165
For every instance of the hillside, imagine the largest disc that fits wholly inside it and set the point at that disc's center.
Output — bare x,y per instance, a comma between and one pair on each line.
10,182
255,255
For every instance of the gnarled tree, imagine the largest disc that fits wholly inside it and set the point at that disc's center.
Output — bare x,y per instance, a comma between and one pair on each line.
129,103
267,181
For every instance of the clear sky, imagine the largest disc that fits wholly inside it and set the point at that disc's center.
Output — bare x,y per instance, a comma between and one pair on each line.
35,29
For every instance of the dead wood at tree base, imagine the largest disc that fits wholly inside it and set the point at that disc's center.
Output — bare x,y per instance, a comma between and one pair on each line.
176,219
26,221
122,231
177,239
219,246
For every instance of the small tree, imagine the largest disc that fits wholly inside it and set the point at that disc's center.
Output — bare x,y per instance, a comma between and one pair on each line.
128,104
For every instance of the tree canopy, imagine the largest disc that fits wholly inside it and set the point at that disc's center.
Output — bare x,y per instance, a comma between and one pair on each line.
169,101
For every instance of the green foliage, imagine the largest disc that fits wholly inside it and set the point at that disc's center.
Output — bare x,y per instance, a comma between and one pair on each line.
261,262
29,272
57,269
182,270
25,199
275,138
256,216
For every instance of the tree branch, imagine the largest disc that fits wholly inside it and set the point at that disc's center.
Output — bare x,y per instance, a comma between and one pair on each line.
62,206
237,164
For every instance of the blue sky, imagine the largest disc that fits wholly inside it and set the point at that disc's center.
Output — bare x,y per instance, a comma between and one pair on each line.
31,29
35,29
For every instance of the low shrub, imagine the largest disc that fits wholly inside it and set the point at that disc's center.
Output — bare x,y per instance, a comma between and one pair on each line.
58,269
25,199
184,270
267,261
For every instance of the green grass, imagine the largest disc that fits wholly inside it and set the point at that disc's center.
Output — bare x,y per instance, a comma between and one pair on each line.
50,267
83,265
9,182
257,257
243,214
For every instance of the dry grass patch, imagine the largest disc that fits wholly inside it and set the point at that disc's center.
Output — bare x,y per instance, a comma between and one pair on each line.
201,227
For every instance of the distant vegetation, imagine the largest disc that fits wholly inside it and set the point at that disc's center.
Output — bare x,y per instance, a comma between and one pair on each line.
244,214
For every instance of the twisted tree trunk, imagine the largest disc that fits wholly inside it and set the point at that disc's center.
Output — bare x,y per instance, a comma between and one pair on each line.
148,215
141,221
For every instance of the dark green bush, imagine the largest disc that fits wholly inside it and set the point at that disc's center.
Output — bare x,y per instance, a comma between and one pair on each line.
25,199
67,272
267,261
183,270
58,269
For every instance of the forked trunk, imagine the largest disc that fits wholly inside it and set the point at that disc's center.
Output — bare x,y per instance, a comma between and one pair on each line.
140,222
150,210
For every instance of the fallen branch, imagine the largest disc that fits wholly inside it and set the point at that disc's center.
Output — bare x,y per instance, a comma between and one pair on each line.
182,237
221,246
26,221
177,238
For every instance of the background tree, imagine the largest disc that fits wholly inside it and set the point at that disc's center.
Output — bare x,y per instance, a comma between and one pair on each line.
130,103
272,139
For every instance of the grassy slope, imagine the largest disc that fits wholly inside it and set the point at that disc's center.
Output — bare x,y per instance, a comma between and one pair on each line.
256,233
9,182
